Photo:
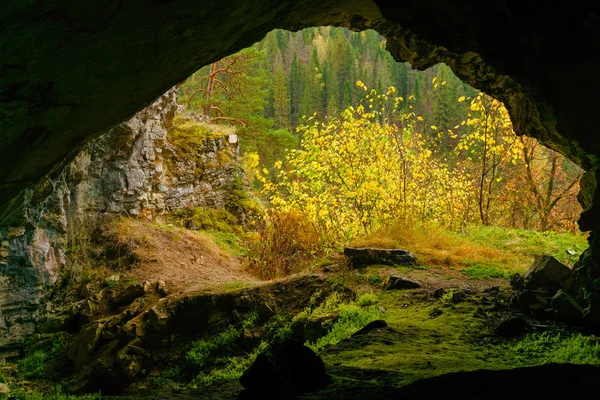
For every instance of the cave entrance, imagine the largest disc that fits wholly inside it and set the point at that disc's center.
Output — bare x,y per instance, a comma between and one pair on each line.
386,118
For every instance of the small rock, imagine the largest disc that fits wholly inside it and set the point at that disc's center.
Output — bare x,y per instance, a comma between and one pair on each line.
312,330
85,291
517,282
547,273
566,307
531,302
363,256
434,313
492,290
373,325
251,338
458,296
438,293
161,288
138,351
16,231
129,361
331,268
4,391
479,313
265,311
148,287
128,294
512,327
398,283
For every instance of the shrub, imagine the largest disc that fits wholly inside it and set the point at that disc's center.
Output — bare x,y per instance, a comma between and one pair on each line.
80,260
285,242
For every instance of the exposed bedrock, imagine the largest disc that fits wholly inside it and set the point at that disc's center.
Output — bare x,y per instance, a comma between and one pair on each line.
132,169
71,69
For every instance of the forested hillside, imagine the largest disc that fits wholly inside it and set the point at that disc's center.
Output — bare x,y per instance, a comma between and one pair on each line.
449,155
290,75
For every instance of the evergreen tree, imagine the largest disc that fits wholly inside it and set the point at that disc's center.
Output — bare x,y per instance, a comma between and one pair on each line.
297,87
281,98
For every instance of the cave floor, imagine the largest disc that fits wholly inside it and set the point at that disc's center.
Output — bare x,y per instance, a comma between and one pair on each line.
429,338
439,339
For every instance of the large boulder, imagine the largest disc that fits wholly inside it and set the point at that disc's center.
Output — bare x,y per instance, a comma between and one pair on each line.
363,256
287,370
549,274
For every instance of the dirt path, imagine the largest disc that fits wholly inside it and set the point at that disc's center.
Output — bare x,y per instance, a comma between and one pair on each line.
186,260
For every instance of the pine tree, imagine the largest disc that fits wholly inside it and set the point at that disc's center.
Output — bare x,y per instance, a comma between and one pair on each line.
297,87
281,98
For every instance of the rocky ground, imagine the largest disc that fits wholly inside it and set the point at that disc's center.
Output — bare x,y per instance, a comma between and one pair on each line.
122,334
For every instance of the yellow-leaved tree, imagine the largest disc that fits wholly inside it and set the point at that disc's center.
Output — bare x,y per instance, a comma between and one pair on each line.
366,167
488,149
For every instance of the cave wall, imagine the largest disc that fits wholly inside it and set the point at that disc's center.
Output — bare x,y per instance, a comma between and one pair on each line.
70,69
132,169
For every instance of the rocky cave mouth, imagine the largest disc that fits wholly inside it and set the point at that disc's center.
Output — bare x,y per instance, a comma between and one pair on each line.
535,111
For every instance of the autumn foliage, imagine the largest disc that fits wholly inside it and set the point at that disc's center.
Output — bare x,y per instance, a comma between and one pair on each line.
284,242
379,163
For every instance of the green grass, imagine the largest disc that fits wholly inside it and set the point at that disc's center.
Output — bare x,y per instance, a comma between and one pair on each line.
213,350
34,365
55,393
502,251
481,271
231,369
347,316
172,374
526,243
38,363
367,299
221,358
228,241
543,348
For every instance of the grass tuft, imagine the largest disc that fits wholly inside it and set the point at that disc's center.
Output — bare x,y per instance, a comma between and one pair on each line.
347,316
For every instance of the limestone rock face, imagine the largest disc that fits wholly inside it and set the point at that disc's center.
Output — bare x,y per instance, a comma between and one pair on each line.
131,169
